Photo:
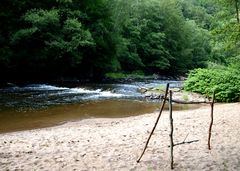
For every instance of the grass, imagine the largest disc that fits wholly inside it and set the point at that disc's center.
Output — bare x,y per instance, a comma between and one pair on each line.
119,75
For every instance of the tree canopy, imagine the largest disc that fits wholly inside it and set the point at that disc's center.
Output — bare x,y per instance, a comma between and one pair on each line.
222,74
89,38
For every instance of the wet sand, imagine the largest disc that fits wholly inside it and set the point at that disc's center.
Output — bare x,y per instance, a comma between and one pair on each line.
115,144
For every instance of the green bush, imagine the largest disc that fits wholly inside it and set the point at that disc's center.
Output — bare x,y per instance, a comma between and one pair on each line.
112,75
225,82
119,75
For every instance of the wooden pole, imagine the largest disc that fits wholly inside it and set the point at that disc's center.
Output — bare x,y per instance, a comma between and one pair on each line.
163,103
180,101
211,122
171,128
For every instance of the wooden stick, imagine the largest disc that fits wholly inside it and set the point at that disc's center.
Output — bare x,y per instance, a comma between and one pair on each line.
185,142
190,102
171,128
163,103
211,123
180,101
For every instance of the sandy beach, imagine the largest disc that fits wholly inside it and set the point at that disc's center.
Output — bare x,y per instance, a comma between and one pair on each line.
115,144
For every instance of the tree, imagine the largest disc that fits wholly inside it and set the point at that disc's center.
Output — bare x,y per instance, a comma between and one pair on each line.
226,31
64,37
88,38
54,39
155,37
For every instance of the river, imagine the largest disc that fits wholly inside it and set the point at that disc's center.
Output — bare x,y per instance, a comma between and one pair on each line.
42,105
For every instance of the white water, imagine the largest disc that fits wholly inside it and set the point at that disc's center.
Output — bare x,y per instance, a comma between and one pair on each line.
44,95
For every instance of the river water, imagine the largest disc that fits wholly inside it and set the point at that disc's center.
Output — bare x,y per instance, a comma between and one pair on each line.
43,105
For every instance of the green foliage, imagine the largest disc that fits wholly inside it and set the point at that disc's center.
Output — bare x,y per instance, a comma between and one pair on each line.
226,32
58,38
62,37
156,38
73,36
222,75
64,1
133,75
115,75
234,62
42,18
89,38
199,11
225,83
25,33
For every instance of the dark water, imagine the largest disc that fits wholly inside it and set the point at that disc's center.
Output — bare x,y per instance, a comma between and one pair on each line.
41,105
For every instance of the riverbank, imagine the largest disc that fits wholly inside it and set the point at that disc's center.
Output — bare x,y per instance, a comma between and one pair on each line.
115,144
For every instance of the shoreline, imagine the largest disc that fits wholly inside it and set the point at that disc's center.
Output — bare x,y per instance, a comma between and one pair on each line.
116,143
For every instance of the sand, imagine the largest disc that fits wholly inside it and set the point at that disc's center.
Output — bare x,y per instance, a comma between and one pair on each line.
115,144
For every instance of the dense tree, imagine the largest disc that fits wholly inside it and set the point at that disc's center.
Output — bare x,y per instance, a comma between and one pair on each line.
88,38
226,31
157,38
222,75
60,38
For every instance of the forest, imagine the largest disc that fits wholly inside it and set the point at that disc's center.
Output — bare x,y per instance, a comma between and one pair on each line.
95,39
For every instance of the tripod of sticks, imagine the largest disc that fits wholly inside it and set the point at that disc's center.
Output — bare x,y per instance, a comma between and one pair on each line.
170,101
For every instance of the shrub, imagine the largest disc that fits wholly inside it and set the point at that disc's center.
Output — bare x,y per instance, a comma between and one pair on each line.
133,75
225,82
115,75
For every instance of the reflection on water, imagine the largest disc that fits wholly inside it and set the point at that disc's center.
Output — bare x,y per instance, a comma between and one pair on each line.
41,105
11,120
